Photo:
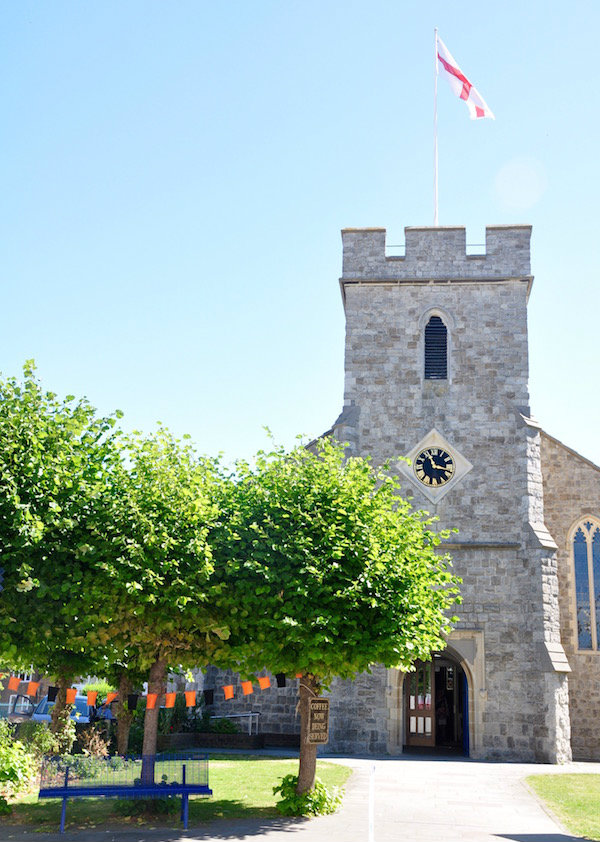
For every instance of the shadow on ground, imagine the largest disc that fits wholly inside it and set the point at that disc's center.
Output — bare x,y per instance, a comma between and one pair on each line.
95,813
541,837
223,829
88,821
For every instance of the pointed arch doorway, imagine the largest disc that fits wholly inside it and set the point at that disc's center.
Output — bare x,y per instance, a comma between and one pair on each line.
436,704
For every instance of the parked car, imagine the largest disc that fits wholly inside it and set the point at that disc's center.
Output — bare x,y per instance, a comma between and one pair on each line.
19,708
82,713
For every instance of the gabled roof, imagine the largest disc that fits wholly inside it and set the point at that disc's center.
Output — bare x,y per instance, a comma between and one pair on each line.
570,450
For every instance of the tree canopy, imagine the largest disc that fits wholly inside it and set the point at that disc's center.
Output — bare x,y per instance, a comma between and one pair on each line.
152,550
54,458
333,569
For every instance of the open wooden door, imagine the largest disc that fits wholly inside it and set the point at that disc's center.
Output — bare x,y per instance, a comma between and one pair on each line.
420,712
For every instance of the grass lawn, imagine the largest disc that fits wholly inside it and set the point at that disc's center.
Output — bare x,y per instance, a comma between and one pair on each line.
574,800
242,788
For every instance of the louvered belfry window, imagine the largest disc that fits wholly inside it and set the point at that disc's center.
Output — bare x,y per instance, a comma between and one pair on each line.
436,350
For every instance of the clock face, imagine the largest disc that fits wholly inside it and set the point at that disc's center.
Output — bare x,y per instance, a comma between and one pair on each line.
434,466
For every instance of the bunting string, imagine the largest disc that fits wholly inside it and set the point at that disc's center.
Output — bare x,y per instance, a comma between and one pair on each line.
191,700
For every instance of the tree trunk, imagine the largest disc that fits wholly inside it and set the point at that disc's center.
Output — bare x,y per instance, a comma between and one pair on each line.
156,684
63,682
307,770
124,715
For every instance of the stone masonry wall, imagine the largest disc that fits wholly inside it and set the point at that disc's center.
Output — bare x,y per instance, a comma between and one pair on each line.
499,599
358,712
477,409
358,716
276,705
437,253
503,550
572,491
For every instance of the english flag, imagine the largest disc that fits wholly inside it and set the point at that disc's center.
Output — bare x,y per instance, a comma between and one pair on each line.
460,84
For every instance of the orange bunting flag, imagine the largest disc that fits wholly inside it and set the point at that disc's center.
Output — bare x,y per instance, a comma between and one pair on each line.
151,701
264,682
13,682
71,694
92,698
228,690
247,688
32,688
298,675
170,700
110,697
190,698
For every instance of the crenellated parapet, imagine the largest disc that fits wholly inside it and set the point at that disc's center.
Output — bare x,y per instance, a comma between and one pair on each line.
437,254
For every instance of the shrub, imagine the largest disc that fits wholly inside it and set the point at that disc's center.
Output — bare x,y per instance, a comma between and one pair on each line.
38,738
17,766
180,718
136,731
147,806
66,732
197,719
136,738
223,726
80,766
103,688
316,802
170,720
92,743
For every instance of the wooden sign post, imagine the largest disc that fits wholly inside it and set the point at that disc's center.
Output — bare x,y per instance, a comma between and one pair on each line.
318,721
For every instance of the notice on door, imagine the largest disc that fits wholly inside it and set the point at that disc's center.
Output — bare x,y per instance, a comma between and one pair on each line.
318,721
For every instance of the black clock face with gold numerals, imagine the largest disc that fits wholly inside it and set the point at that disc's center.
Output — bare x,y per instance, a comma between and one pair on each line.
434,467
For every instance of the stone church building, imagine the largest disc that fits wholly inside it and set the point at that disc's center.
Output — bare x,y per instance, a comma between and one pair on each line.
436,366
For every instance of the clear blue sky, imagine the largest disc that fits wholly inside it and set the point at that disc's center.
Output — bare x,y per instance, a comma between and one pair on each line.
174,178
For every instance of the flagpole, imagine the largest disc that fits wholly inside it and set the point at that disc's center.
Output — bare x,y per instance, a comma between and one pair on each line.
435,142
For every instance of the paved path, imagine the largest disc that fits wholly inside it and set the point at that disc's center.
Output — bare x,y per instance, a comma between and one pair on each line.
416,800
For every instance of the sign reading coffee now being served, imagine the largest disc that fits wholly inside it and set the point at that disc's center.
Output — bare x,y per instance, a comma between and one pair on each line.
318,721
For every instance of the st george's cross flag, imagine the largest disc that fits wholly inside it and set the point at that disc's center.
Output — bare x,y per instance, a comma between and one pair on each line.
460,84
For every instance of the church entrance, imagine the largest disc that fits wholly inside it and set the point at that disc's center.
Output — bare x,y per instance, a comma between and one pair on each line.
436,706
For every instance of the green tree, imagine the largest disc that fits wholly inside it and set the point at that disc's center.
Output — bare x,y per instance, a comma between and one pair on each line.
54,457
334,572
153,549
104,547
128,678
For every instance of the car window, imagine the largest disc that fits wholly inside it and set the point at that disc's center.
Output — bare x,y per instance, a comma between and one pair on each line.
21,704
81,707
43,706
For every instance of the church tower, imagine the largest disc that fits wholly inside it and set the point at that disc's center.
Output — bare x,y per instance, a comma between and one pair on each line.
436,369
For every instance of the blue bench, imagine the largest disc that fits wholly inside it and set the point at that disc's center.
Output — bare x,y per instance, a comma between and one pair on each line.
124,777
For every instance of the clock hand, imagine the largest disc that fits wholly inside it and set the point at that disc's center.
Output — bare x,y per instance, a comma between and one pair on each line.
436,466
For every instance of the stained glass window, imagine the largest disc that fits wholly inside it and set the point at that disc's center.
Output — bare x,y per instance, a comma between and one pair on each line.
582,591
596,574
586,563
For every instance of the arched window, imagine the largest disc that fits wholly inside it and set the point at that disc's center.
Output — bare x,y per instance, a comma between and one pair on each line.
586,564
436,349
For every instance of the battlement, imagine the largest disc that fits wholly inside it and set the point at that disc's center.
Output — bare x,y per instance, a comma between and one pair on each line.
437,253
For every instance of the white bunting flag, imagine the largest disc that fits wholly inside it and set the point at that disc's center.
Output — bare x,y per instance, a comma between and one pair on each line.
461,85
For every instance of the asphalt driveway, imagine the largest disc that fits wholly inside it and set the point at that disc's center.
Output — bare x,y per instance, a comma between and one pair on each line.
417,799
